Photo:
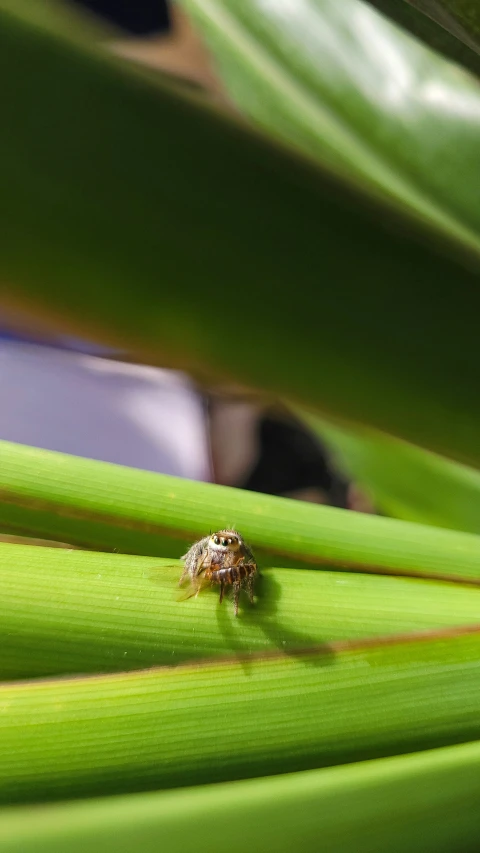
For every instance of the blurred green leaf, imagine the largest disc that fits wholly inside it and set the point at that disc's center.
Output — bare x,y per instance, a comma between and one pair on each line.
467,11
106,506
217,721
350,89
143,204
404,481
460,17
436,27
105,612
421,803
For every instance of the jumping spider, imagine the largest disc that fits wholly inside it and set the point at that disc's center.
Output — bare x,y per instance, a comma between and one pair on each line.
221,558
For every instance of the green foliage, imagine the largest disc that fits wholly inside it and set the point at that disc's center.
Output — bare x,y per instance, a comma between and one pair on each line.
354,257
96,612
450,26
336,81
111,507
253,217
390,470
424,803
221,721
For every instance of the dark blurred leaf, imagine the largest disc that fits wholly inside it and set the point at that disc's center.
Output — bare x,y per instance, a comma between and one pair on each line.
141,210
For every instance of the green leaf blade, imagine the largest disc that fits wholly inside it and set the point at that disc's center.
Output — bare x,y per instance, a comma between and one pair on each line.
106,506
107,613
216,722
350,89
422,802
105,116
429,22
404,481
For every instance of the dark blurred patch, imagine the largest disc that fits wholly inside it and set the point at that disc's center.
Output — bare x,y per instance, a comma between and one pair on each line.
292,460
137,17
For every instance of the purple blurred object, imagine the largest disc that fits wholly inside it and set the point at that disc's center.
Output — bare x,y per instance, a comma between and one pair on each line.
94,407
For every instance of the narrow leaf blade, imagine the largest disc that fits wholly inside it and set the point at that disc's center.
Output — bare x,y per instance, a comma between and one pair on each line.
77,612
424,803
215,722
404,481
110,507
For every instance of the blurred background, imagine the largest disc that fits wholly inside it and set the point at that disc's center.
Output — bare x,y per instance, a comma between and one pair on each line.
66,395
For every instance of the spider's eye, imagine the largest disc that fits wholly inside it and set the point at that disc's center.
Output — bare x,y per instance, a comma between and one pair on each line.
229,541
216,540
224,541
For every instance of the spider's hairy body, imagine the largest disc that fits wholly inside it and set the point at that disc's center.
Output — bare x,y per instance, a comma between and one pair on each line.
223,558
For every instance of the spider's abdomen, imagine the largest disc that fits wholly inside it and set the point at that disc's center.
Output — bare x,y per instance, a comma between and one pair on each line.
233,574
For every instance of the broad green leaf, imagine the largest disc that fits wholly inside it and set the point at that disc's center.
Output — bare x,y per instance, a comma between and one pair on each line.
422,803
218,721
109,507
79,612
141,209
349,88
404,481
